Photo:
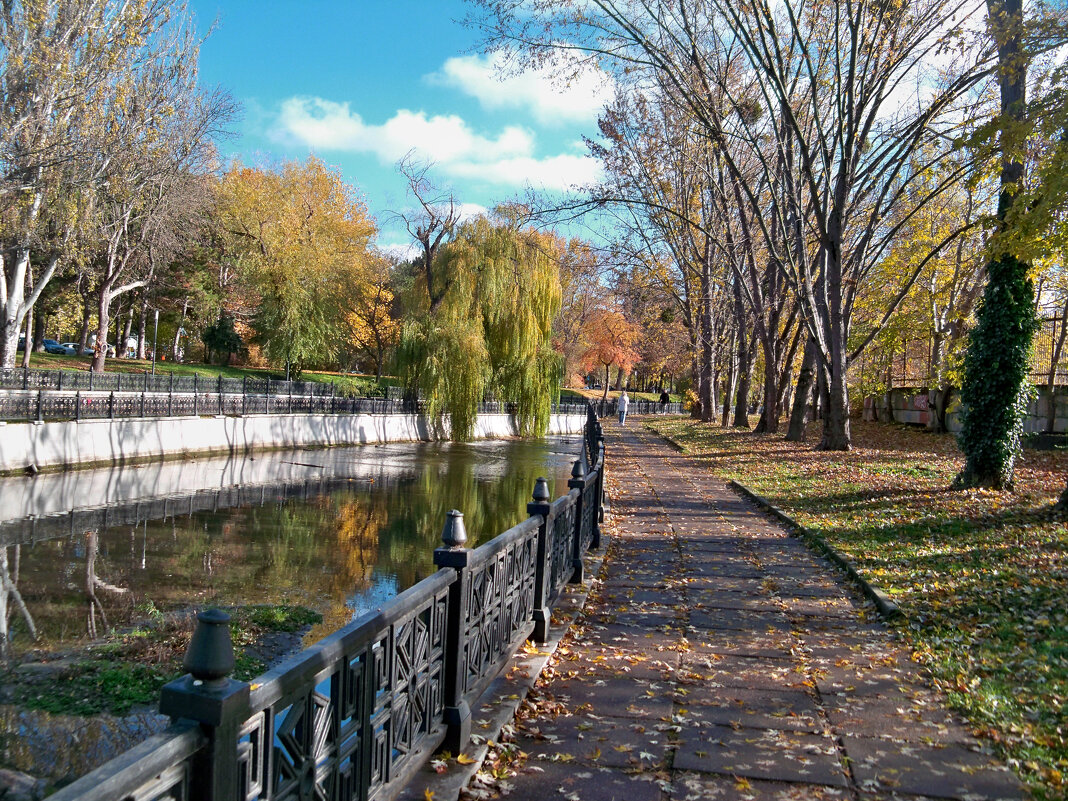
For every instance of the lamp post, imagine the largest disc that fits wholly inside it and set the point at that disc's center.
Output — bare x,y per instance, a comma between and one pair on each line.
155,339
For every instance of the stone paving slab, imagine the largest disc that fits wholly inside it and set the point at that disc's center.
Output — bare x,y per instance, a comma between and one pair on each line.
772,754
720,658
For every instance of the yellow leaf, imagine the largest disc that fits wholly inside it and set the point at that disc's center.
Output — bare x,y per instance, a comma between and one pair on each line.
428,794
464,759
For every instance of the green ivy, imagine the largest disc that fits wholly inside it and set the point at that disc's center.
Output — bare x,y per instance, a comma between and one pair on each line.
996,390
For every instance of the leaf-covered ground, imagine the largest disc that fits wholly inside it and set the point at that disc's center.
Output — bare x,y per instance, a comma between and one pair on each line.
982,576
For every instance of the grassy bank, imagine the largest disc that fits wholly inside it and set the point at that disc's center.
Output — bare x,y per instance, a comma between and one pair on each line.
125,670
981,576
347,383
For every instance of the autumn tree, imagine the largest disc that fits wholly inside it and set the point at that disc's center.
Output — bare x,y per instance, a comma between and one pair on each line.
372,329
582,290
482,325
612,342
69,70
300,238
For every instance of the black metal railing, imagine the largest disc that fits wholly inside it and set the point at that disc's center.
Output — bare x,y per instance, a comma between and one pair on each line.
55,404
74,380
354,716
611,407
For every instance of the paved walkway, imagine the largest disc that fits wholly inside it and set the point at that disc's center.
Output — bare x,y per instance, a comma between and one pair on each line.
720,658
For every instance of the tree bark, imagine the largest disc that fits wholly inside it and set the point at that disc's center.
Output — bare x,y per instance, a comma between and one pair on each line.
142,327
27,345
732,380
806,382
38,326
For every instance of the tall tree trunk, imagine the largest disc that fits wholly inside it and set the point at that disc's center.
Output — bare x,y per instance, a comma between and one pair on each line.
142,327
732,380
87,311
103,321
707,354
769,417
745,369
806,382
836,433
28,344
38,327
996,369
177,343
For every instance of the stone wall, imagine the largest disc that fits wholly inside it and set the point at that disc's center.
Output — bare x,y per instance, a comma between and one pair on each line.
916,407
104,442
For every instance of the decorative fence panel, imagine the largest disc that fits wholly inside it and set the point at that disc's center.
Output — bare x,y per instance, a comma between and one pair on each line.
354,716
498,601
562,546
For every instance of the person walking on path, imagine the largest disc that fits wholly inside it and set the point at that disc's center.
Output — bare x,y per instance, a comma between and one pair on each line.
665,399
624,404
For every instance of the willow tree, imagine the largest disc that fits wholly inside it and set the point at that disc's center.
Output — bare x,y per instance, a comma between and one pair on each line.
490,332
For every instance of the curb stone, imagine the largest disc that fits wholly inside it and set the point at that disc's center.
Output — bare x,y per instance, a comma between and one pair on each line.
887,608
498,705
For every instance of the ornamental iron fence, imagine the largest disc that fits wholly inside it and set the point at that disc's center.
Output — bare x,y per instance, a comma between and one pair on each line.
72,380
610,408
54,404
355,716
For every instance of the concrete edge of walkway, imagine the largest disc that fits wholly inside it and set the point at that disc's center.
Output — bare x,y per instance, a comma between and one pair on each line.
506,694
887,608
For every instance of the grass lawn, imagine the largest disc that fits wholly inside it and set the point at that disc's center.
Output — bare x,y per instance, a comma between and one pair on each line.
347,383
981,576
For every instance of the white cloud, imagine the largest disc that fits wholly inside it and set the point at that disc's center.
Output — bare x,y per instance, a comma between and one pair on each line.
553,172
401,251
328,125
550,99
506,159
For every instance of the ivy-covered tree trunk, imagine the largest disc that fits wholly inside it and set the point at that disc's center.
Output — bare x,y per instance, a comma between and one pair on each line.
995,390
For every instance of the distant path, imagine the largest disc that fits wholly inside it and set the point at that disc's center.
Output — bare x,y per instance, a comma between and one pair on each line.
722,659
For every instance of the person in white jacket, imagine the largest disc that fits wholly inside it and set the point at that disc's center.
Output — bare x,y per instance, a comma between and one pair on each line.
624,404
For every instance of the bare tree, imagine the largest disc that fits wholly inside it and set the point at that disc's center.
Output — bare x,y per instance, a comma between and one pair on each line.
432,224
818,95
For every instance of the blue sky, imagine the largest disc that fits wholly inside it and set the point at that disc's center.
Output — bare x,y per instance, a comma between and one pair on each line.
359,84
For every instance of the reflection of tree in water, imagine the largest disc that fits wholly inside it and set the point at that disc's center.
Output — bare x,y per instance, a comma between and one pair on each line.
358,522
11,597
93,582
414,529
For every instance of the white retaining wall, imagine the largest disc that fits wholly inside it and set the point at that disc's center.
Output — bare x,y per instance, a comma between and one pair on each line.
71,443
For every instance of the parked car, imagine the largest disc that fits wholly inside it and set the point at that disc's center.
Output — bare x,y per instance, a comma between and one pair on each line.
75,348
51,346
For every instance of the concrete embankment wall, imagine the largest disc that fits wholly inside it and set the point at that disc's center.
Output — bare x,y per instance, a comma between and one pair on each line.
916,407
97,442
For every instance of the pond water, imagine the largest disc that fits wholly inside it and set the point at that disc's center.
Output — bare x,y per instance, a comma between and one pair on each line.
338,530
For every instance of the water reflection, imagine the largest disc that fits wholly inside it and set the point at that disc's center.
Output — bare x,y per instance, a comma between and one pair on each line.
338,530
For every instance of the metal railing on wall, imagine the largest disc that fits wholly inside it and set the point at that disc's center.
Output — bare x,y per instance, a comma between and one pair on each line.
611,407
72,380
75,404
357,714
